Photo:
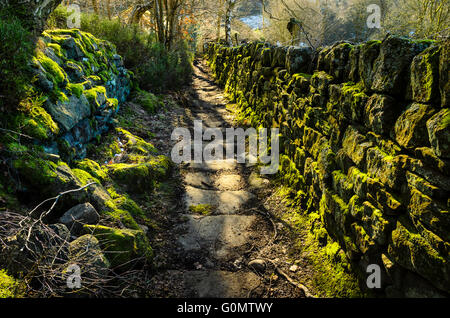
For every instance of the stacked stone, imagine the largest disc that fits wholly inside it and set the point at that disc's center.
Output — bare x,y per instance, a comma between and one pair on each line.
365,145
85,82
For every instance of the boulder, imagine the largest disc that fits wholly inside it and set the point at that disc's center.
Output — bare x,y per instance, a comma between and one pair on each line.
444,71
368,54
122,246
411,129
393,65
79,215
380,113
298,60
86,252
425,76
439,133
409,249
68,113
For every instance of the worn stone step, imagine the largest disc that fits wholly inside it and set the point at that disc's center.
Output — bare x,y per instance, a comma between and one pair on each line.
202,180
220,235
205,284
213,166
224,202
220,284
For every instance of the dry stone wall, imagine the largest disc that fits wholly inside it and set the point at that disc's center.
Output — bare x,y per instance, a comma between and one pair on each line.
365,145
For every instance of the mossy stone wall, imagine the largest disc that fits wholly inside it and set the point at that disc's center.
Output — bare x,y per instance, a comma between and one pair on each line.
365,144
82,82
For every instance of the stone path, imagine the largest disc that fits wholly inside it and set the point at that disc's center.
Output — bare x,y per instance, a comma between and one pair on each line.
218,223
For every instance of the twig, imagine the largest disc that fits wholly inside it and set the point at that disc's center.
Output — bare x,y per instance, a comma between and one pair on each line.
17,133
292,281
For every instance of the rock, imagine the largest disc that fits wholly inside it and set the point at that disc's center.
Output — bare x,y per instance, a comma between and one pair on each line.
258,264
70,112
298,60
413,252
123,247
393,64
86,252
355,145
439,133
425,76
411,129
73,51
368,54
140,177
380,113
430,213
293,268
222,236
79,215
61,230
230,182
444,71
227,202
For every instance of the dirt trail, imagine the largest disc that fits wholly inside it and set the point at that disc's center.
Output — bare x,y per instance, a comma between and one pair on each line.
223,242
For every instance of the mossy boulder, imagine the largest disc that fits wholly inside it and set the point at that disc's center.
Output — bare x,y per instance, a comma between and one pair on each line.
368,54
430,213
298,60
380,113
409,249
10,287
425,76
439,133
355,145
444,71
122,247
410,128
87,249
393,65
140,177
353,101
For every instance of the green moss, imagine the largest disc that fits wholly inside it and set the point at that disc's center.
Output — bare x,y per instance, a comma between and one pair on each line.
204,209
92,95
36,171
112,103
136,144
75,89
57,49
36,122
84,177
149,102
52,68
124,202
122,246
10,287
92,168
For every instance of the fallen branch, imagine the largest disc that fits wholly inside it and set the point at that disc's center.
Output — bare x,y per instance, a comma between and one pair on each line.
292,281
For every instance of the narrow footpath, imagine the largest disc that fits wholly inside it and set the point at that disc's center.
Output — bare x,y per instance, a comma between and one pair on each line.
224,241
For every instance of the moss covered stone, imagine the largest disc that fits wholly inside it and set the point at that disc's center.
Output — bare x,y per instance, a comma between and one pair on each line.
410,128
434,216
10,287
122,247
439,133
425,76
409,249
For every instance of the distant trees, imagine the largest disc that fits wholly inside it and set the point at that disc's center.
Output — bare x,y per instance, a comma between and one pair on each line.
326,21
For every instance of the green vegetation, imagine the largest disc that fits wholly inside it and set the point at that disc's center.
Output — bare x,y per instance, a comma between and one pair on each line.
9,286
204,209
15,73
